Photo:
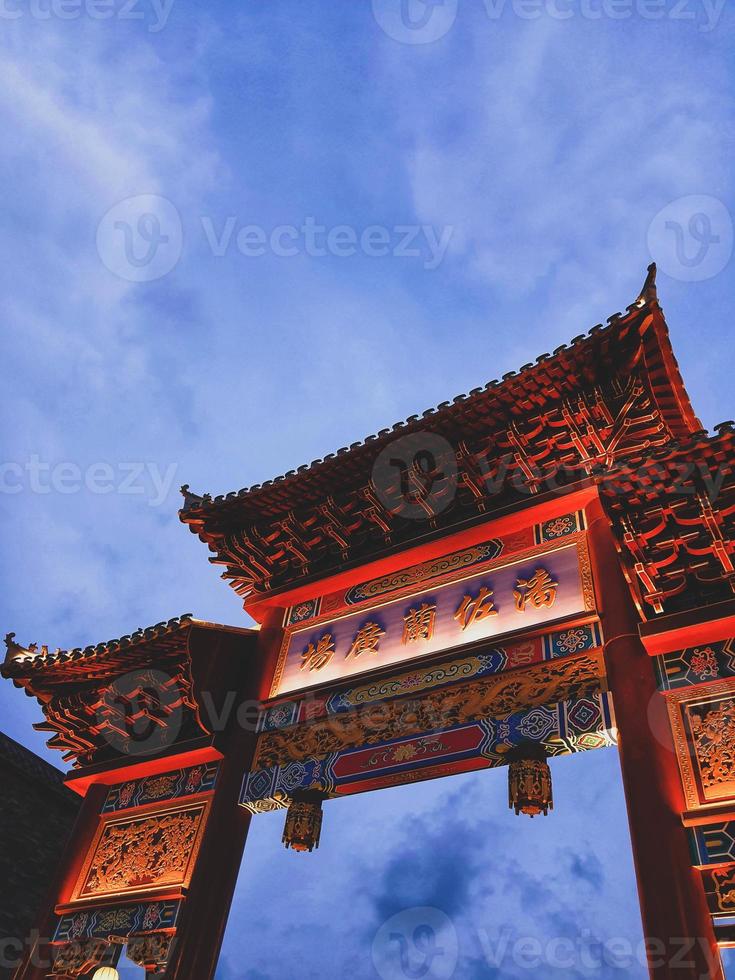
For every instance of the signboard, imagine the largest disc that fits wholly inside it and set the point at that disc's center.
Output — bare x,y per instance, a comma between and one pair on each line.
526,593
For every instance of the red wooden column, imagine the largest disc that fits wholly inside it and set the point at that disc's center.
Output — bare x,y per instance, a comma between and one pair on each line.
201,930
205,911
677,923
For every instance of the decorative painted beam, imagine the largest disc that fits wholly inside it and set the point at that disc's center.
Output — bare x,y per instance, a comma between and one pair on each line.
569,726
442,709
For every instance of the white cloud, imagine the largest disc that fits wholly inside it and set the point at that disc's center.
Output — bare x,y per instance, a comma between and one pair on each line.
549,155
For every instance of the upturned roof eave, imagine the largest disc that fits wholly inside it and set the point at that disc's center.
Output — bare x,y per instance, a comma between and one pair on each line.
21,667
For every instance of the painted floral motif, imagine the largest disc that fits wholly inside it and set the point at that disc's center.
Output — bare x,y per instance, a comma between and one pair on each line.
259,783
424,572
170,785
519,653
311,709
407,751
704,663
294,775
159,786
114,919
591,740
280,716
572,640
151,917
583,714
504,734
79,925
126,794
538,724
560,526
194,779
305,610
119,920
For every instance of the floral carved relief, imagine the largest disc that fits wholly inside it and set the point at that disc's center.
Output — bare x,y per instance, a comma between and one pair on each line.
713,735
148,851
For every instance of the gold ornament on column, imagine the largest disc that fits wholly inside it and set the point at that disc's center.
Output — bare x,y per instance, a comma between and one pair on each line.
304,821
529,781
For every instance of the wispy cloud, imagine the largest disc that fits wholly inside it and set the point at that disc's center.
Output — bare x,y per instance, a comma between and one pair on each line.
547,146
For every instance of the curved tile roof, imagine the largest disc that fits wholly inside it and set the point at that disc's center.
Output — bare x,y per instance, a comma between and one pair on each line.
569,365
19,661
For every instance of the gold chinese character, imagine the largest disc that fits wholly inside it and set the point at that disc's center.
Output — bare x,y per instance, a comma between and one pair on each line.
539,590
316,657
366,640
472,610
418,624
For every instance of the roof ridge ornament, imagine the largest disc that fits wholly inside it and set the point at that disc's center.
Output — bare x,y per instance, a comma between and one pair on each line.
190,498
649,293
15,651
32,656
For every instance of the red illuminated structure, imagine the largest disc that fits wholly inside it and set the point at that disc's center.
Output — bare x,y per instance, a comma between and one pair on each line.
541,567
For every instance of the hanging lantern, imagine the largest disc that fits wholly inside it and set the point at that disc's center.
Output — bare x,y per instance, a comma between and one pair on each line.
529,781
304,821
106,973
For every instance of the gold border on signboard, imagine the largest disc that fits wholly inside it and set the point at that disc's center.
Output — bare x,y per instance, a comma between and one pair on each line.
144,813
577,540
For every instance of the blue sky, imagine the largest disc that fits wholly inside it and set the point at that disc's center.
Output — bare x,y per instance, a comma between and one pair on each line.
530,163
